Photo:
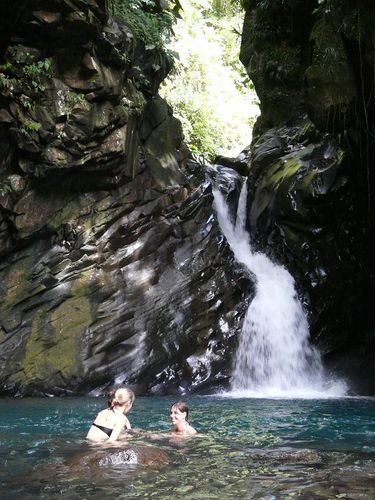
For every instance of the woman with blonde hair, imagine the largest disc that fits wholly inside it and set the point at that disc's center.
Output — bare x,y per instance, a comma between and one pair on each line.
109,423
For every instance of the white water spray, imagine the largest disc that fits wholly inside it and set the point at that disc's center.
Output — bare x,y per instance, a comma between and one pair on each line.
274,357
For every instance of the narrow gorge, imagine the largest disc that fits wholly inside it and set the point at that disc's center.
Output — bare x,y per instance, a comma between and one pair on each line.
114,268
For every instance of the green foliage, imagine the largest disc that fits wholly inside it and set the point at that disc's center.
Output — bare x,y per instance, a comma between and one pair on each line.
38,69
5,188
21,55
353,20
203,138
35,71
283,63
30,126
72,98
147,20
140,81
6,67
329,56
27,102
5,81
27,67
209,90
225,8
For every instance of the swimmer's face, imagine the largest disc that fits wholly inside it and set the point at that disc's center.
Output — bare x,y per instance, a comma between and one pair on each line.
177,415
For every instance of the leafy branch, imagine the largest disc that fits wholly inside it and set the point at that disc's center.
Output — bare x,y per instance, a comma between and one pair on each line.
148,20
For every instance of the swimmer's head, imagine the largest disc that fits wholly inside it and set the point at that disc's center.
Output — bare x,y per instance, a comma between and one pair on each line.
181,407
123,397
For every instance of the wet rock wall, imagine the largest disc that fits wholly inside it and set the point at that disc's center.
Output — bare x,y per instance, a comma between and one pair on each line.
112,266
310,166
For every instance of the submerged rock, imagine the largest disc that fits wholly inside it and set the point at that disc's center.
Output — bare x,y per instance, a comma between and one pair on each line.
288,456
129,455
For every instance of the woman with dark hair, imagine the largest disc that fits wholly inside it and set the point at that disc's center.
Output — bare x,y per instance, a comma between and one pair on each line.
180,420
110,422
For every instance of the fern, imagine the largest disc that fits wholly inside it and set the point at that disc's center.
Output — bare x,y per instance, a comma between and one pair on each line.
148,21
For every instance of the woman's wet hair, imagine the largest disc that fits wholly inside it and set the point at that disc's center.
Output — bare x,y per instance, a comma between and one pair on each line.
110,395
182,407
122,396
118,397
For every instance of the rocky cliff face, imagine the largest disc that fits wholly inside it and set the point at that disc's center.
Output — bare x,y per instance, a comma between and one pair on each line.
310,166
113,268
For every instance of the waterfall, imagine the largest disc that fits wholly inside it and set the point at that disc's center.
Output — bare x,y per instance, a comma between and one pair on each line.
274,356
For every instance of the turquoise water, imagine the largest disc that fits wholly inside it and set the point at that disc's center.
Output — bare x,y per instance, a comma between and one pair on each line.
250,448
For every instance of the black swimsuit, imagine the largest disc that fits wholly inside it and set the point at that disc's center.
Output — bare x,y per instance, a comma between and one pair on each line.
106,430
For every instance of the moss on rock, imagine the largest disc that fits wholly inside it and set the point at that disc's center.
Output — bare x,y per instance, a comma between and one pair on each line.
53,347
16,283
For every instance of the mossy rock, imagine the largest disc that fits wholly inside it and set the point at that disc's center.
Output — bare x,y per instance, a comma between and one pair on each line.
292,182
52,351
16,283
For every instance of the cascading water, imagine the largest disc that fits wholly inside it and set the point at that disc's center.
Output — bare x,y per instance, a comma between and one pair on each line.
274,356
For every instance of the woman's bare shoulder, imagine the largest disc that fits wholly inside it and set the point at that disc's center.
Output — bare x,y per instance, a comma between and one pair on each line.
191,431
103,413
120,419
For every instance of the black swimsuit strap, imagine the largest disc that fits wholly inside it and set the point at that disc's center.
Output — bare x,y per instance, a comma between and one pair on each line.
106,430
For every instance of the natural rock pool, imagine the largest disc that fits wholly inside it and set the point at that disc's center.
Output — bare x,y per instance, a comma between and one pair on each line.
250,448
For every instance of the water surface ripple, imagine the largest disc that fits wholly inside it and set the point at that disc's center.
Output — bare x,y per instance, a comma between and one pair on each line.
250,448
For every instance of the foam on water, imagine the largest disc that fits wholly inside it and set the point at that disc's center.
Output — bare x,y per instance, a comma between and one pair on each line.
274,356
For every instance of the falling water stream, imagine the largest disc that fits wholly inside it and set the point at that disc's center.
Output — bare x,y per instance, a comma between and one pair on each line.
274,356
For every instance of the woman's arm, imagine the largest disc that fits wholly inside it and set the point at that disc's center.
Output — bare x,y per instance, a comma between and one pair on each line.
127,424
